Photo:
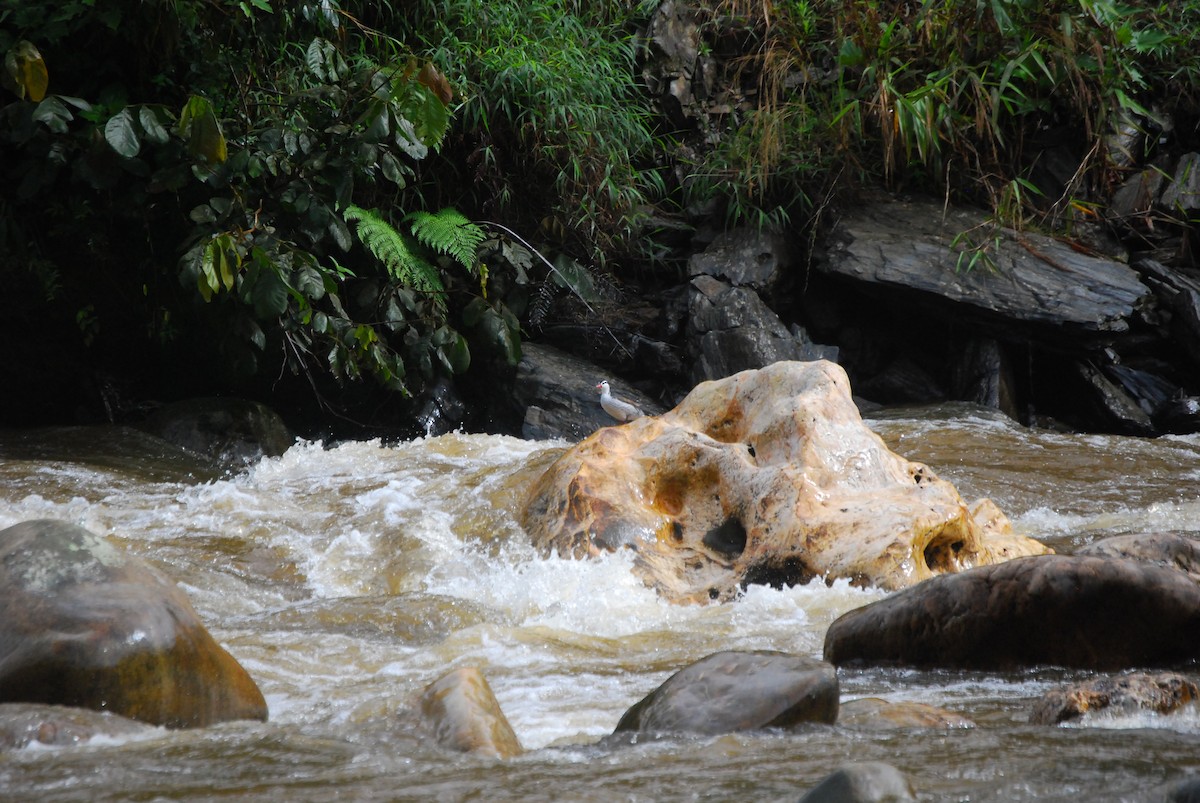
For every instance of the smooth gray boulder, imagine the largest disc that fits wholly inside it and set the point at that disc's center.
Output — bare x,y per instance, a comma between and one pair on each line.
738,691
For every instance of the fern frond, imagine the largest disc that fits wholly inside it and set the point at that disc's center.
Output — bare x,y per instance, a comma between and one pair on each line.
449,232
392,248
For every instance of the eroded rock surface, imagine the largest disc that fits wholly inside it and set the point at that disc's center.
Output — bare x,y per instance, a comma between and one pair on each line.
83,624
1162,693
768,476
738,691
1086,612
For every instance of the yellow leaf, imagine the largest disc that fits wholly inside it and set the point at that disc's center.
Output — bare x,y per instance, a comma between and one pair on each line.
25,72
34,76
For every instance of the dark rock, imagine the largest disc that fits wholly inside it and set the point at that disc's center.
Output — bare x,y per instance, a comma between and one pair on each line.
1182,193
902,381
1178,292
441,409
863,782
1087,612
23,724
738,691
872,713
1026,277
1114,404
1170,550
235,432
1162,693
554,395
744,258
982,373
1185,791
82,624
731,329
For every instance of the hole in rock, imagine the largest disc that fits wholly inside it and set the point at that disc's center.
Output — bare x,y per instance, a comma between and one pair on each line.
778,574
942,554
728,538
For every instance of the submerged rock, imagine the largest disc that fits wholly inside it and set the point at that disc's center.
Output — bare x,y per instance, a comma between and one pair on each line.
1162,693
863,782
872,713
83,624
23,724
738,691
464,715
1100,613
768,476
234,432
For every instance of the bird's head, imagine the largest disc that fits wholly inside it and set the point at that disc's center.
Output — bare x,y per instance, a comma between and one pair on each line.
602,387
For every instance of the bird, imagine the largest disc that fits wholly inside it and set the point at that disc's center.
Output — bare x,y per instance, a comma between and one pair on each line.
618,408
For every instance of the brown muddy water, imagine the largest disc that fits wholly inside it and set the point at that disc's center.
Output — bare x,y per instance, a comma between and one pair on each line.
347,577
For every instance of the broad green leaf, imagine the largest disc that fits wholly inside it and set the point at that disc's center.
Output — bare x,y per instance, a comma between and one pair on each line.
120,134
455,355
152,119
199,124
270,295
53,114
393,170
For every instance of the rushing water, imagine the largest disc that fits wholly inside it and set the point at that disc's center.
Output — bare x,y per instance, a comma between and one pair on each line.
346,578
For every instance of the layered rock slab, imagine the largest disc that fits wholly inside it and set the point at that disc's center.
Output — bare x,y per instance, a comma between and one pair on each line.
767,476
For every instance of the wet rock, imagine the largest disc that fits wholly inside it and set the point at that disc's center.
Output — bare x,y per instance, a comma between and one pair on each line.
554,395
863,782
1027,278
1182,193
744,258
730,329
463,713
738,691
769,477
1184,791
1122,411
23,724
235,432
982,373
1170,550
1086,612
82,624
872,713
1162,693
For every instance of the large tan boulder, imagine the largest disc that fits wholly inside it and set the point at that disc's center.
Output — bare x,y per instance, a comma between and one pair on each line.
767,476
83,624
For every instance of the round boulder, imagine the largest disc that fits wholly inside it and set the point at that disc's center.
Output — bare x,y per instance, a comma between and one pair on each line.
82,624
863,782
738,691
1091,613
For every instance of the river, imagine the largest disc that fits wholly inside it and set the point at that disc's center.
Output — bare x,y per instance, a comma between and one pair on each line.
347,577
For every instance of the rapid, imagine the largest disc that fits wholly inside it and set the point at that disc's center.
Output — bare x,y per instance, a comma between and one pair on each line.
347,577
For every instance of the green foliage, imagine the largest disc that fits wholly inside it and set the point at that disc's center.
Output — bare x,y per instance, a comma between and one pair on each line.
393,249
247,137
551,100
944,95
448,232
